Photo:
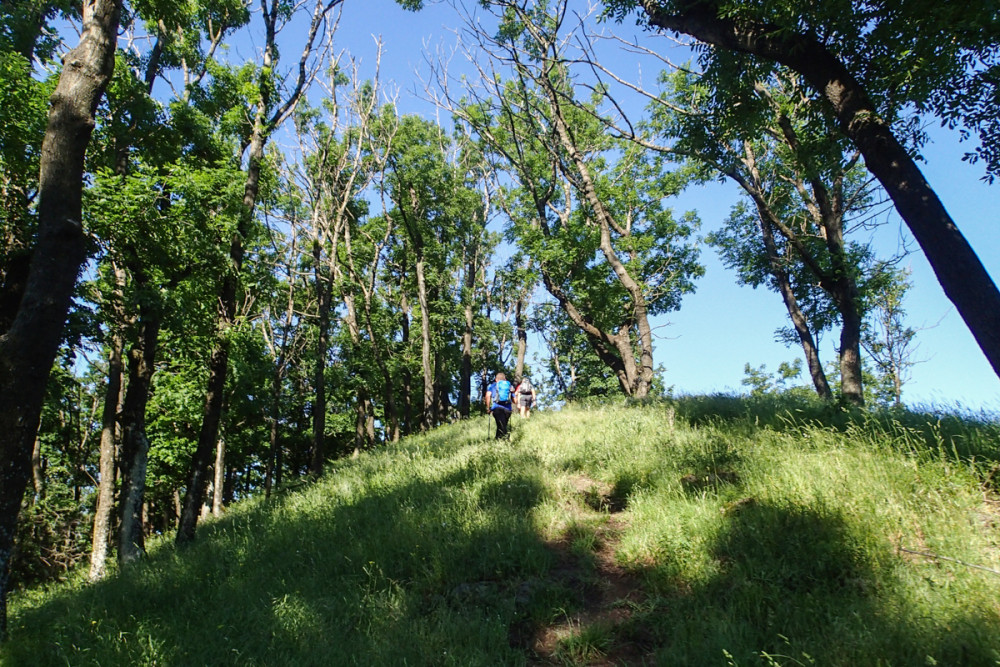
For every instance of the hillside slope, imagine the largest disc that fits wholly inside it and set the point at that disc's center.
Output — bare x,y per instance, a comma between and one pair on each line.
695,532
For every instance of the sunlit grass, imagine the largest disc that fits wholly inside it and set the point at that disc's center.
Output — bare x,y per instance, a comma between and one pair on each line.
762,533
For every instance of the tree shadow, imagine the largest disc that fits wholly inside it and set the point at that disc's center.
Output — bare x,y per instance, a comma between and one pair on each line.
422,572
450,568
792,586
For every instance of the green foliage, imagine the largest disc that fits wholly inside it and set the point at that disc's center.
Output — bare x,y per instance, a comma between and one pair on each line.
586,208
53,538
761,383
23,106
913,58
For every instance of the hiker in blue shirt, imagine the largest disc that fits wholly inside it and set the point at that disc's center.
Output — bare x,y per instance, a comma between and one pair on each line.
498,397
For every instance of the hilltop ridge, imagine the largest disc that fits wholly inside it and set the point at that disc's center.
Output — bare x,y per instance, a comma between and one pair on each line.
698,531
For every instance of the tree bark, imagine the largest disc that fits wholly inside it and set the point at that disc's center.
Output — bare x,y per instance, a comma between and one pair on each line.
29,346
104,513
959,271
522,337
219,482
427,418
211,418
135,443
37,475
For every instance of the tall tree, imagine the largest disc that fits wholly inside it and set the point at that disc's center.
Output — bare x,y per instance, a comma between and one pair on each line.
434,208
28,345
269,106
588,209
806,190
866,65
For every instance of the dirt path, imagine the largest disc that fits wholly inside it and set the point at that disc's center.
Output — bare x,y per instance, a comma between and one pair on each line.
599,631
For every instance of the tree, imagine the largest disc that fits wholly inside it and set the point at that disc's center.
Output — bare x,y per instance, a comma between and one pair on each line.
588,209
865,65
28,345
440,215
807,194
887,339
269,106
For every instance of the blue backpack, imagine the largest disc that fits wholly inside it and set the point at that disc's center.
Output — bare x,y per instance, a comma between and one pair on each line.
503,391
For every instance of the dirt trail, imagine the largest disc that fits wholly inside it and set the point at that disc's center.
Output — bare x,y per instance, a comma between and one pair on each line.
598,632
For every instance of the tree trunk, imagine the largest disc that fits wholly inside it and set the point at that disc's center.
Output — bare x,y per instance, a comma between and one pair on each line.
407,377
219,482
639,378
465,381
522,337
959,271
135,443
37,474
104,513
194,496
219,362
799,321
427,418
851,383
806,340
29,346
324,299
273,445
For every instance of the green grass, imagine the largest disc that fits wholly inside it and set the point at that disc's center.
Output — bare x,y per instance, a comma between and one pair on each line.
746,532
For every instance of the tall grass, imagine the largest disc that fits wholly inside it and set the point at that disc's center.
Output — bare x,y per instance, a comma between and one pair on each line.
752,532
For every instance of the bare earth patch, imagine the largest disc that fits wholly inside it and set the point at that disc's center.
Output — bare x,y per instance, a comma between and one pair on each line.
609,594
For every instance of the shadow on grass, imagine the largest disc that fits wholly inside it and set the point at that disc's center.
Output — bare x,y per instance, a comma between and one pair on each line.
420,573
451,570
792,587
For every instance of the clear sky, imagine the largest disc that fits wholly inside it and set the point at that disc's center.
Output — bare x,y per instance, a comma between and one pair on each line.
722,326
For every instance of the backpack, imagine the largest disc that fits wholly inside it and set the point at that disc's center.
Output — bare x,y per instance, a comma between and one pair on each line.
503,391
526,386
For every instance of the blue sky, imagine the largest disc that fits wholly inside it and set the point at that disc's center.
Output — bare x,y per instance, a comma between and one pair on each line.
722,326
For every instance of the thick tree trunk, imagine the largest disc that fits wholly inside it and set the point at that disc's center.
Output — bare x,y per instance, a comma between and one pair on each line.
135,443
104,512
29,346
364,425
851,383
959,271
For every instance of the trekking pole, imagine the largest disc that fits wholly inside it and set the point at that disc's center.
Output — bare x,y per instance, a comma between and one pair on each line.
487,425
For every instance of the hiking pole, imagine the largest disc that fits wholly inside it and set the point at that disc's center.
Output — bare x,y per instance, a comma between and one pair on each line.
487,425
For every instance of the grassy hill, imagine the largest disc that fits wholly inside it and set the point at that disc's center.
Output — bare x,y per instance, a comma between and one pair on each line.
702,531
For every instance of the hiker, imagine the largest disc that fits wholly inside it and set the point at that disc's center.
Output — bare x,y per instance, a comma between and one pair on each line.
498,397
525,397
